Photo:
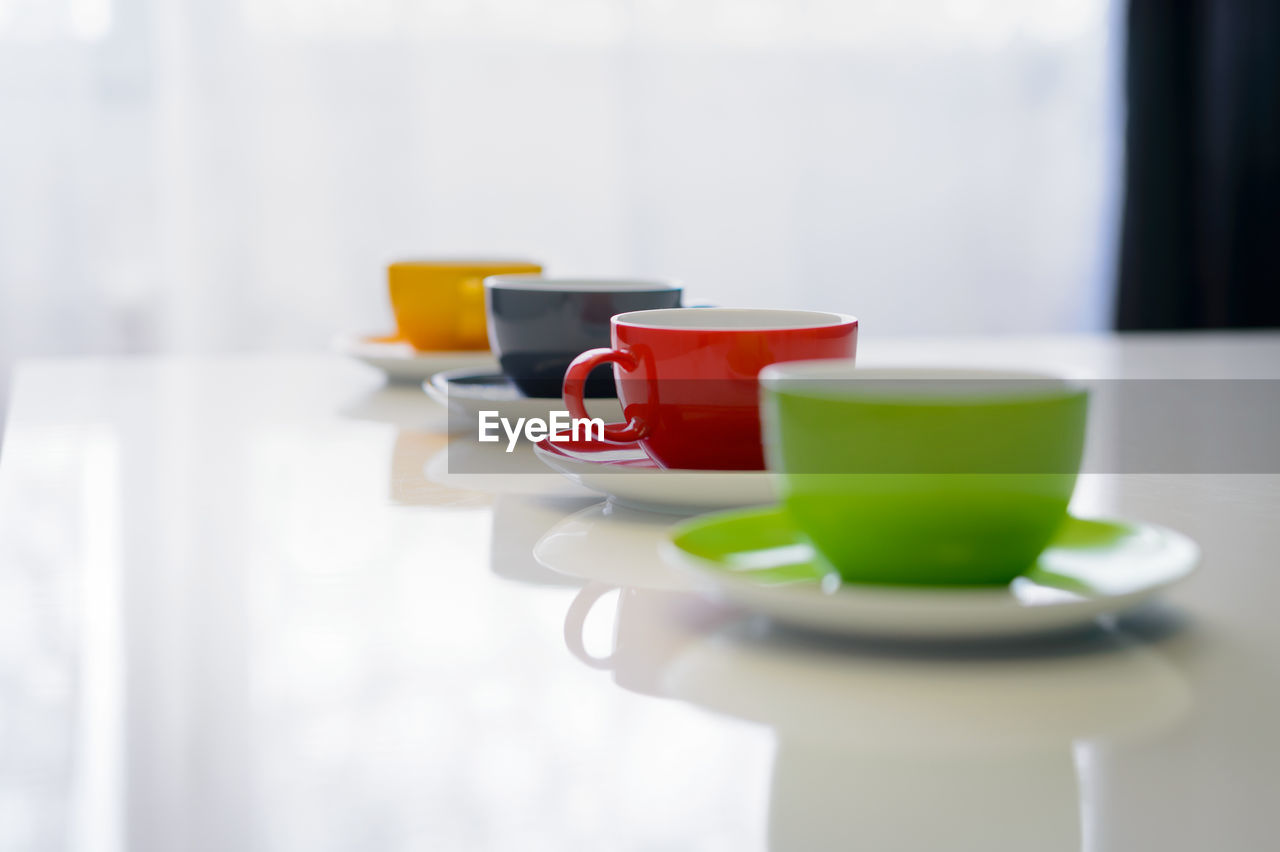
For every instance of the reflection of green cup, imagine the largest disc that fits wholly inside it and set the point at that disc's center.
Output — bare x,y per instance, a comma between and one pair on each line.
923,476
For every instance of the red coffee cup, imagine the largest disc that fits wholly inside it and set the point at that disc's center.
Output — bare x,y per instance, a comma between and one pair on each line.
686,378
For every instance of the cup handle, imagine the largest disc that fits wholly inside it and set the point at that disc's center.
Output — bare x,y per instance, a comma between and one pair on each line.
575,382
576,617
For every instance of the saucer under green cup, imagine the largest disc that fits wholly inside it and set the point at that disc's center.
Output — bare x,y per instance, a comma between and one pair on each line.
758,560
935,477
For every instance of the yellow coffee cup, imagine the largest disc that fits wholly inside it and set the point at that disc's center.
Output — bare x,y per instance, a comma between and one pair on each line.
439,304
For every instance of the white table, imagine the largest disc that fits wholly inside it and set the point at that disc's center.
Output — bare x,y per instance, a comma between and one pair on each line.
235,615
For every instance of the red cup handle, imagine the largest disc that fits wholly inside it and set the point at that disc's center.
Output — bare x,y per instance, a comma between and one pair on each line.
575,381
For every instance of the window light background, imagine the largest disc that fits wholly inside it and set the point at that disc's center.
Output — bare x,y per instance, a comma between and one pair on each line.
195,176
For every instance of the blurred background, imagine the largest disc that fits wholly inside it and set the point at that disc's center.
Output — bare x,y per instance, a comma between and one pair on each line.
199,176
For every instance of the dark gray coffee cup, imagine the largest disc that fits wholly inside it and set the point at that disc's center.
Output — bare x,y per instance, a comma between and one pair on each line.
537,325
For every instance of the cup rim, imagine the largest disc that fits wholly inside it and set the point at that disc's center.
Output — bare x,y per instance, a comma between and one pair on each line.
861,384
585,284
462,262
696,319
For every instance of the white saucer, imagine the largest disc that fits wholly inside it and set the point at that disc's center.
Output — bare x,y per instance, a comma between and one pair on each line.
630,478
401,362
759,561
468,391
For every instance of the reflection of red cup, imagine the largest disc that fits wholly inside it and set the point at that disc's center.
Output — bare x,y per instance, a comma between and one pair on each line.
650,628
687,379
518,523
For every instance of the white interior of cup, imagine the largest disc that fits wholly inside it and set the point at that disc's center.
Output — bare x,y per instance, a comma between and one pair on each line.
731,319
580,285
841,379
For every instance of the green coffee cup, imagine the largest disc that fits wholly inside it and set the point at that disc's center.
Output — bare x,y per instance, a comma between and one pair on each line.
923,476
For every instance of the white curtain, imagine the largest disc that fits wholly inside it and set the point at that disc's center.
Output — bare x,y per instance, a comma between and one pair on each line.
208,175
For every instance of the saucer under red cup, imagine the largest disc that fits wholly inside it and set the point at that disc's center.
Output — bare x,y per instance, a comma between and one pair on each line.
687,378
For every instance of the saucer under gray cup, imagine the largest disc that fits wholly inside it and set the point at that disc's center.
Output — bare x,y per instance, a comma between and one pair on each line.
537,325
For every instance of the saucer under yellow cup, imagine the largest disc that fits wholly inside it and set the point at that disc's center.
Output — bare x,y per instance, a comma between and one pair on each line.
439,304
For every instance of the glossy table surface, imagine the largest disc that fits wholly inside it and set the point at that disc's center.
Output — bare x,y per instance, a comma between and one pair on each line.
244,607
